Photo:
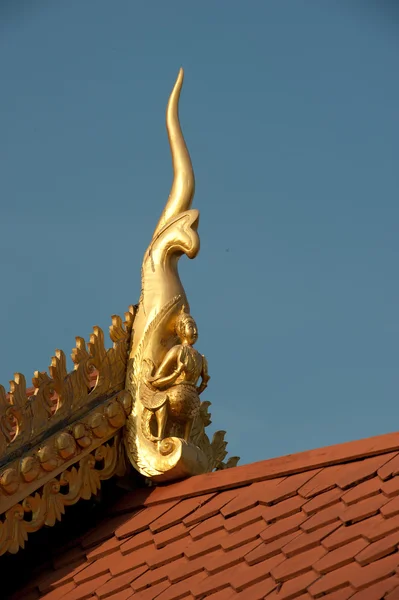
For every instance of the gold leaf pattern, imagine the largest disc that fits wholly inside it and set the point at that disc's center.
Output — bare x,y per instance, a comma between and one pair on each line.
97,373
47,506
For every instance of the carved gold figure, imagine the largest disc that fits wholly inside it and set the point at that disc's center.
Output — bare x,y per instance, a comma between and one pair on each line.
172,392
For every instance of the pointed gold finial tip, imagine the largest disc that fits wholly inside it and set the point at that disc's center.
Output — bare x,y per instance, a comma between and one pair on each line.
180,76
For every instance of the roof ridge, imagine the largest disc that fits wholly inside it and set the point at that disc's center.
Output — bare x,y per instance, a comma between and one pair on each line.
275,467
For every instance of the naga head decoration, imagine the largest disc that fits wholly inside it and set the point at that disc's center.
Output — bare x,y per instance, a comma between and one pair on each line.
165,377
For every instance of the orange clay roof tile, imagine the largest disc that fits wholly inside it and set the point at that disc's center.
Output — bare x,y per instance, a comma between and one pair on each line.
393,595
390,488
318,525
125,594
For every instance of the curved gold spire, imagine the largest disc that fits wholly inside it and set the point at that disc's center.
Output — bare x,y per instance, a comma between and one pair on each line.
183,186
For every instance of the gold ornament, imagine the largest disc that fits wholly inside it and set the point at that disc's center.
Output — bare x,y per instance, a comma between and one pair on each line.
164,369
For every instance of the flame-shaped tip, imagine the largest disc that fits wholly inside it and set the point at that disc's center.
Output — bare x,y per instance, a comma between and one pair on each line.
183,186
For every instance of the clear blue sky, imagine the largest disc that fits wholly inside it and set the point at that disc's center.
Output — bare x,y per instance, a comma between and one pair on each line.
290,111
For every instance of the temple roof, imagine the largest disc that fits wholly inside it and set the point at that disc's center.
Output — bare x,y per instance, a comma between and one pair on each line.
319,524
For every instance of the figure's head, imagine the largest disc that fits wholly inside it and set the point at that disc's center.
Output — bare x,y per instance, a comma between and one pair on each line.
186,328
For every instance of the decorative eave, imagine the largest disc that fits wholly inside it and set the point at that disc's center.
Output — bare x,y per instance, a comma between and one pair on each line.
61,438
138,400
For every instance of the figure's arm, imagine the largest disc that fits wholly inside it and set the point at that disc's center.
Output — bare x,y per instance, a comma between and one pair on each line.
166,375
204,376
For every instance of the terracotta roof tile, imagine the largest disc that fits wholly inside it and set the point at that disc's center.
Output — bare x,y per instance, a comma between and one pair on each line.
246,576
231,557
120,563
151,592
153,576
118,584
244,518
158,558
170,534
215,523
358,471
58,593
104,548
283,527
243,536
122,595
248,497
334,580
347,533
87,589
143,519
323,481
323,500
305,541
135,542
180,589
340,557
204,545
318,525
363,509
342,594
95,568
323,517
239,578
294,587
225,594
286,488
178,512
382,527
391,488
263,551
59,577
375,571
378,590
390,468
213,583
370,487
212,507
283,509
258,591
379,549
298,564
391,508
186,568
394,595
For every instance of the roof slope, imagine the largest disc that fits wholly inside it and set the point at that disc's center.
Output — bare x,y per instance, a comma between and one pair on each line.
320,524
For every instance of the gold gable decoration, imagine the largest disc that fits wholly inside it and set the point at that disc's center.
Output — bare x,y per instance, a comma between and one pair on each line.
139,400
98,373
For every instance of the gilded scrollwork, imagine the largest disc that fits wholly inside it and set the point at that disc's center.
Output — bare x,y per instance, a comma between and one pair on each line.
47,505
98,373
214,450
23,475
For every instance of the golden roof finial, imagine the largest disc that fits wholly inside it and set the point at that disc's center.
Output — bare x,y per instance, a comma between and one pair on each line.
164,435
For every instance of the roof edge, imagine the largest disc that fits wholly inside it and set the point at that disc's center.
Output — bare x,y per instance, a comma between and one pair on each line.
274,467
